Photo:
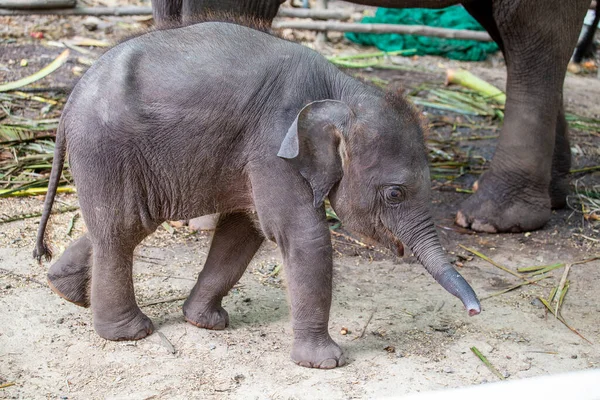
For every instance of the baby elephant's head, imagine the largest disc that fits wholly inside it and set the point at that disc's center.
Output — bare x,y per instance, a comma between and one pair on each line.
368,156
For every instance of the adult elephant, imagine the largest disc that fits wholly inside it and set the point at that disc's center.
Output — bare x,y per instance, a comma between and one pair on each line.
528,175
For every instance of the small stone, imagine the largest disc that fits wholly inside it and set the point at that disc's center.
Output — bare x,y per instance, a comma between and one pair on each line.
344,331
8,287
77,71
204,223
60,321
24,63
91,23
574,356
390,349
537,303
247,300
448,370
212,346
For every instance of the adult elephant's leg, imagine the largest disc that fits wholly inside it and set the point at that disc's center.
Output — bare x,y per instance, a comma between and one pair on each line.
561,162
537,38
166,11
561,159
265,10
235,241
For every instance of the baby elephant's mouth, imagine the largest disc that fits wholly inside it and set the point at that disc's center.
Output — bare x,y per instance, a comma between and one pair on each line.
387,240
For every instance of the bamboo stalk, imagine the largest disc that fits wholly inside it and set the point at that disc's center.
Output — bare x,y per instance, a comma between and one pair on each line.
468,80
34,191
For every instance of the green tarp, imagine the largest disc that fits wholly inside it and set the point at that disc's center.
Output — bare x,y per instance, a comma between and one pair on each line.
455,17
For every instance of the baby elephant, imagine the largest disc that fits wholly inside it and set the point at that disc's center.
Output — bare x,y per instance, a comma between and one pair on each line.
221,118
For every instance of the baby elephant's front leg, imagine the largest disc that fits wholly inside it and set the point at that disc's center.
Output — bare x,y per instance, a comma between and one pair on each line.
234,243
309,265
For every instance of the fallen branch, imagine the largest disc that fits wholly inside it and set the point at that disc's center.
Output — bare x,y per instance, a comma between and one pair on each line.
139,10
384,28
36,4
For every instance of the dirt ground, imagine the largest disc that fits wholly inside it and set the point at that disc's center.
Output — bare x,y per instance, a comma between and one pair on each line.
401,332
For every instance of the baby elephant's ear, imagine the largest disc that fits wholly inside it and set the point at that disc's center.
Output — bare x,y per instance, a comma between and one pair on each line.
315,144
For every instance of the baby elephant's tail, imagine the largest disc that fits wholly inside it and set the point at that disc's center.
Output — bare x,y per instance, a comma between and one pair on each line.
41,249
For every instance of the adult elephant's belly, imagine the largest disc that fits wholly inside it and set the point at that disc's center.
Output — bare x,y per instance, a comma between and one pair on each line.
407,3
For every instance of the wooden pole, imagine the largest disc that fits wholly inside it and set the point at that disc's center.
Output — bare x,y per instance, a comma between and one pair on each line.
138,10
384,28
36,4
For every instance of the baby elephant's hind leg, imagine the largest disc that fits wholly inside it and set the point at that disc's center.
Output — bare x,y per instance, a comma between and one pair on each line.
70,276
234,243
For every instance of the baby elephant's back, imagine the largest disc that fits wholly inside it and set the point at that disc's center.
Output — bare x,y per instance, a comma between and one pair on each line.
158,106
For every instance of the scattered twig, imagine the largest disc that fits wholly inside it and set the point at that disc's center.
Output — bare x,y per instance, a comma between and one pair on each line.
494,263
586,169
536,269
512,288
561,319
7,384
561,286
72,224
364,330
168,300
487,363
166,342
23,277
19,217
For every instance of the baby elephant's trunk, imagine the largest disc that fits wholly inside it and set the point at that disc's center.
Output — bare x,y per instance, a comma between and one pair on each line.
41,249
428,250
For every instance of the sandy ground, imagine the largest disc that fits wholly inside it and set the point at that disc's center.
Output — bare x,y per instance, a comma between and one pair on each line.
405,334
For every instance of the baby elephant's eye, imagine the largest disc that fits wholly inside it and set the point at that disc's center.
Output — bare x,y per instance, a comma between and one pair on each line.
395,194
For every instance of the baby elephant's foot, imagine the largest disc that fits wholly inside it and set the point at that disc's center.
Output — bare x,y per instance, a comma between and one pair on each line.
69,277
321,353
135,327
208,317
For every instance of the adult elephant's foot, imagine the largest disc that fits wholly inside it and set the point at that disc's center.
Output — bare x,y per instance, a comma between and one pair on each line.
317,351
207,317
500,206
559,190
70,276
134,326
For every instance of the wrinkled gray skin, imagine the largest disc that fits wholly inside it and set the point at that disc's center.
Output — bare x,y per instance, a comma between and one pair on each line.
177,123
529,172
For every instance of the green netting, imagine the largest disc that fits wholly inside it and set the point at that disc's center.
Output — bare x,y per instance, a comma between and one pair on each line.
455,17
